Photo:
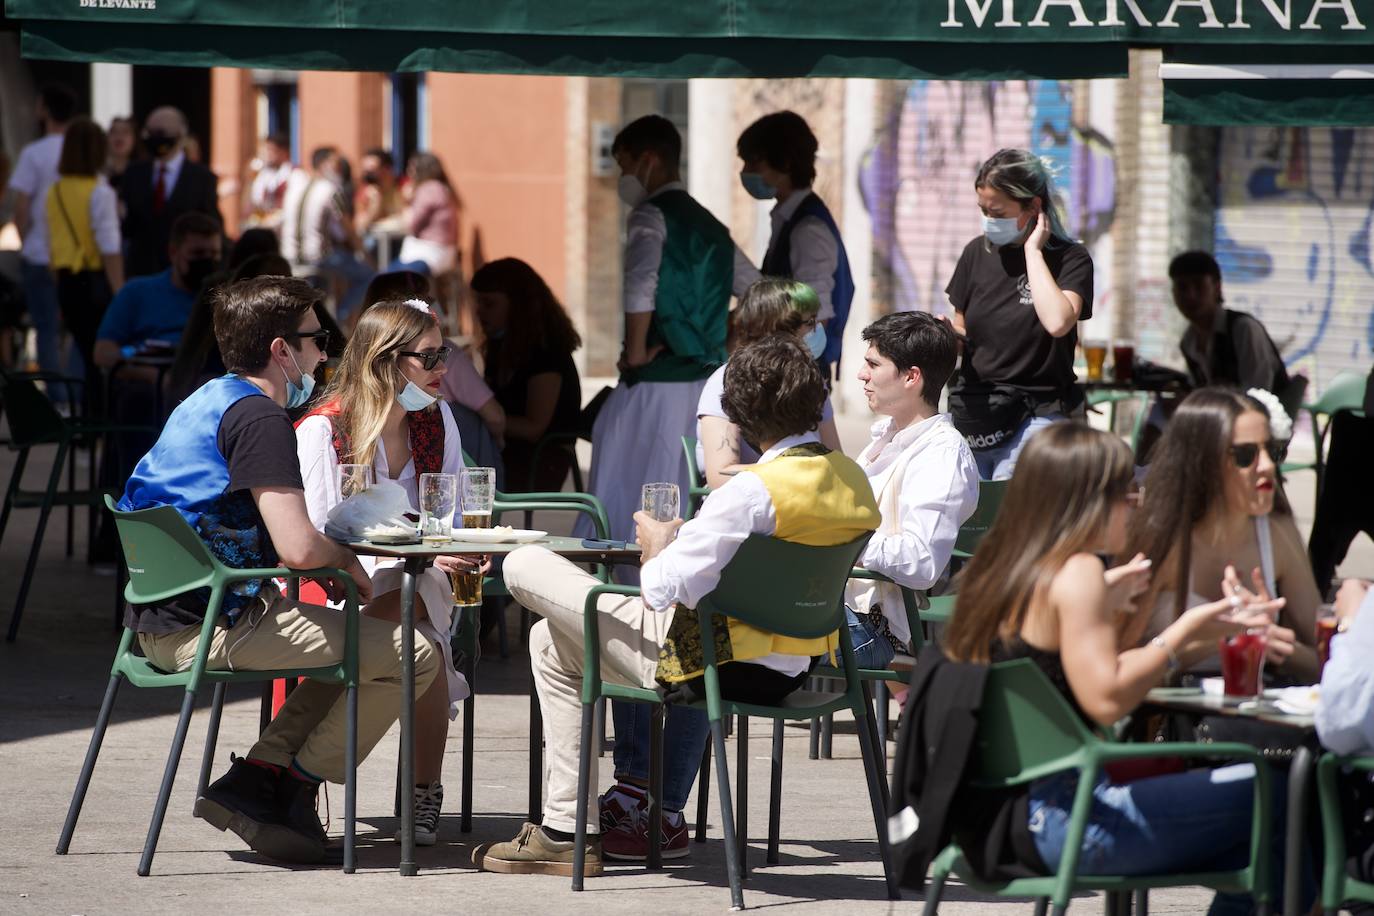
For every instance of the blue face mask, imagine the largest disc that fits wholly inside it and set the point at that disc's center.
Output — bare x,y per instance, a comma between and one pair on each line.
815,341
758,188
1001,231
413,398
298,393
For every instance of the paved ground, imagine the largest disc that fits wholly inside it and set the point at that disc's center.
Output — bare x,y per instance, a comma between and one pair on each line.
50,686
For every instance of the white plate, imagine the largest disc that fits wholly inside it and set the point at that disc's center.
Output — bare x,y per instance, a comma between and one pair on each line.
497,535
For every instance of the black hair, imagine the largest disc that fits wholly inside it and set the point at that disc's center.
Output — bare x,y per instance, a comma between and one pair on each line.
785,142
650,134
384,157
59,101
917,339
321,155
1194,264
279,140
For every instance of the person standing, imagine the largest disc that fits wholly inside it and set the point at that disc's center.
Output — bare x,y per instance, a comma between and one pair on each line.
122,148
1018,293
316,234
779,156
155,193
34,173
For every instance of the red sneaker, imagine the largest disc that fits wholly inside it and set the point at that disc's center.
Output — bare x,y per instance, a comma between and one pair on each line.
630,840
620,805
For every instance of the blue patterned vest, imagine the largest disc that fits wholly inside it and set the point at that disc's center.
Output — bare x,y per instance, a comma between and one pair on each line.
186,470
778,263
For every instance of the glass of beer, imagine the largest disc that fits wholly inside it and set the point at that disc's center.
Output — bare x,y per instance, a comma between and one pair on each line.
1123,361
438,501
1095,355
477,492
661,501
353,479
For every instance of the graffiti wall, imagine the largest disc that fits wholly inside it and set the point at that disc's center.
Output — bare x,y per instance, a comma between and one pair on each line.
1293,240
917,180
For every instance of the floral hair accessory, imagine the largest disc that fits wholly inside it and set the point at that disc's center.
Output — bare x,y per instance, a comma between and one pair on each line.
1280,424
420,305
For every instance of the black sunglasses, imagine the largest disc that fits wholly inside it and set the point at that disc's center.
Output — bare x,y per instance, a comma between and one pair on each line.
429,358
1245,454
321,337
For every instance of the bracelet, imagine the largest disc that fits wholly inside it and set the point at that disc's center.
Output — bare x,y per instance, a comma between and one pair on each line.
1172,658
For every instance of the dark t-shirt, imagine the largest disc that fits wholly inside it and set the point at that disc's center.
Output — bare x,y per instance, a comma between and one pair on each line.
258,442
1007,343
513,393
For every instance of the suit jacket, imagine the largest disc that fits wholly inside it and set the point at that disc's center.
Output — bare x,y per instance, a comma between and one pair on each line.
147,231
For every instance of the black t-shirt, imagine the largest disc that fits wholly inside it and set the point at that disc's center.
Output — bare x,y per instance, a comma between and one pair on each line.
258,442
512,392
1007,343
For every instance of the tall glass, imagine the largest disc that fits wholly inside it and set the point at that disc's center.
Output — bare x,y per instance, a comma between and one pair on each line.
352,479
661,501
477,492
438,502
1095,355
1242,662
1326,628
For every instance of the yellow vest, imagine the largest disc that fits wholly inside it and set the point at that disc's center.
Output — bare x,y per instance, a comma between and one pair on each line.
70,237
820,498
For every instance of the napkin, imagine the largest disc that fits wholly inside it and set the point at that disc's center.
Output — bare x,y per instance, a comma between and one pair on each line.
379,508
1296,701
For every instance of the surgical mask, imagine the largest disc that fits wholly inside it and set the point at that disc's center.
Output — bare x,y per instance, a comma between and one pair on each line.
631,190
1001,231
413,398
298,393
815,341
161,144
758,188
197,271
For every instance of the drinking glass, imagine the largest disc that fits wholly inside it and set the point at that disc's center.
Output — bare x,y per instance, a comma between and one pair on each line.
1326,628
477,492
1095,355
438,501
1123,361
660,501
1242,662
353,479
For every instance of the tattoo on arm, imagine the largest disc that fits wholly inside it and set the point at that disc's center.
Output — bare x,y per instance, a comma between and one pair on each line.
728,445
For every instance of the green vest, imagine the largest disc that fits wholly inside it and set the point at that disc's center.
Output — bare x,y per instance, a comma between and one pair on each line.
692,303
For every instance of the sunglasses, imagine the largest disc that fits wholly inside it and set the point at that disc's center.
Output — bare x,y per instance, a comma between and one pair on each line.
321,337
428,358
1245,454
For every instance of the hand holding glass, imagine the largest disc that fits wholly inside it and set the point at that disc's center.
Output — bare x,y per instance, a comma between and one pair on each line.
438,501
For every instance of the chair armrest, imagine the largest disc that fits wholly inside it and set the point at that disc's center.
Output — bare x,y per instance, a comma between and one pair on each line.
1332,817
1123,751
591,637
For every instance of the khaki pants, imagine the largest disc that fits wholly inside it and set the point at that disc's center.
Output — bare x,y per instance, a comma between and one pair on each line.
312,727
631,636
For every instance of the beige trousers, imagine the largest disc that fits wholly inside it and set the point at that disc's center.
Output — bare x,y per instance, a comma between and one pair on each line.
311,728
631,636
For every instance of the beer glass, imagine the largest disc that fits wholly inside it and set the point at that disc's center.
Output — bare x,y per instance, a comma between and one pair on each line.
477,491
353,479
660,501
1123,361
438,501
1095,355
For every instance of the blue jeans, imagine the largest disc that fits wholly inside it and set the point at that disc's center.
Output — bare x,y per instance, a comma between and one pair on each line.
1194,821
685,731
871,648
998,463
40,298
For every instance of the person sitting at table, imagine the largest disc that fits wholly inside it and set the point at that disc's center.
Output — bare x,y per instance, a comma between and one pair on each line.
1036,589
383,409
433,218
799,490
227,463
1212,501
528,342
769,306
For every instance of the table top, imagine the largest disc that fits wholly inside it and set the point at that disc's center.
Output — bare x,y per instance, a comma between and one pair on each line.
1130,386
1193,700
571,548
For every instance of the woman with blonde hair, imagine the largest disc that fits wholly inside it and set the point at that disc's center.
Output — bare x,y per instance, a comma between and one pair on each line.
769,306
383,409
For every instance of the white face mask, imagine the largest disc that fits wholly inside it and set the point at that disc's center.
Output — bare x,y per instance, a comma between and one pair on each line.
1001,231
412,398
815,341
631,190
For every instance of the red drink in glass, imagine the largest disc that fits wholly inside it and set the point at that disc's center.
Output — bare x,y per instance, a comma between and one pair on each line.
1123,359
1326,628
1242,663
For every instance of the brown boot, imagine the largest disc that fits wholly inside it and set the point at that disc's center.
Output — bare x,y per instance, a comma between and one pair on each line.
533,852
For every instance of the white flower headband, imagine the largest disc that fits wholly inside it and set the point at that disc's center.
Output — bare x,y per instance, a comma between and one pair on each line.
420,305
1280,424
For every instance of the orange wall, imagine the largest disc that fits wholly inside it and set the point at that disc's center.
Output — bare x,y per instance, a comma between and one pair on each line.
501,139
234,112
340,109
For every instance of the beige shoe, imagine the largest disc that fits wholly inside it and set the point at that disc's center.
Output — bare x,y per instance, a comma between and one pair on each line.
532,852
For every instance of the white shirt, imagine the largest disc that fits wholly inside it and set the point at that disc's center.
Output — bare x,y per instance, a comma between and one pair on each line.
171,171
689,568
1345,712
645,233
34,173
926,483
266,185
311,220
813,256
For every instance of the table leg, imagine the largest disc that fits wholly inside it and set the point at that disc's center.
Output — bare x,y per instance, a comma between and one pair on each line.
1299,780
412,570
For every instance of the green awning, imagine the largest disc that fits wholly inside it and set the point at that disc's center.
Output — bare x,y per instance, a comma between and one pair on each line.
1275,86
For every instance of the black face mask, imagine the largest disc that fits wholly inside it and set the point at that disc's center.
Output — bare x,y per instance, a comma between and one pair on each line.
161,144
197,270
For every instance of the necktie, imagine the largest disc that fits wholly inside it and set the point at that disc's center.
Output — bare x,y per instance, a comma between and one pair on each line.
160,189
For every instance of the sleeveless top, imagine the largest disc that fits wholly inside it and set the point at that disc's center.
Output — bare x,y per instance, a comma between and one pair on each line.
778,263
1163,612
1049,663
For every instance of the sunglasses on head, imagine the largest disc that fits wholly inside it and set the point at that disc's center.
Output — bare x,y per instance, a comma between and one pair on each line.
321,337
1245,454
428,358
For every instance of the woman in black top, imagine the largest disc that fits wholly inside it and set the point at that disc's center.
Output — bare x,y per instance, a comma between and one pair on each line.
527,362
1018,292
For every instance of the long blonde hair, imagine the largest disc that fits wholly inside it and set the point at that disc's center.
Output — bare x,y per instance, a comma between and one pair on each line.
1067,480
364,385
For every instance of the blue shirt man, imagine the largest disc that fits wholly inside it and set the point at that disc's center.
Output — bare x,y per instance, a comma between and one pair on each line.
147,308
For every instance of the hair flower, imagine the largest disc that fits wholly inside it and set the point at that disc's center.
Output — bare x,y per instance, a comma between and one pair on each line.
420,305
1280,424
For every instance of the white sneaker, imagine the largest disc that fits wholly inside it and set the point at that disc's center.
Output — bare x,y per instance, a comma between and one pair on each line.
428,802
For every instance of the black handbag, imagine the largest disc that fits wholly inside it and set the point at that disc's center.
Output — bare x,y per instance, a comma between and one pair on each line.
989,416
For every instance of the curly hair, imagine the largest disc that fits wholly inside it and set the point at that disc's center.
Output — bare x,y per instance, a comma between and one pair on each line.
773,389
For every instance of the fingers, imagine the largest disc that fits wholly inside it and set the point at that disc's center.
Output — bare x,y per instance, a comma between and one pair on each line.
1257,577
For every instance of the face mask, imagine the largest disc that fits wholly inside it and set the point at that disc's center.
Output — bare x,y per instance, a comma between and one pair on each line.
815,341
758,188
298,393
161,144
413,398
1001,231
631,190
197,271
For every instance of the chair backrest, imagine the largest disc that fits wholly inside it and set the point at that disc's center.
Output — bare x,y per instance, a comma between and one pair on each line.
1026,729
33,420
164,556
689,448
990,494
785,588
1344,392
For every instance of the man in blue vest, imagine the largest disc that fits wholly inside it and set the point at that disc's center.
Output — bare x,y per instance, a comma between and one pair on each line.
226,461
779,156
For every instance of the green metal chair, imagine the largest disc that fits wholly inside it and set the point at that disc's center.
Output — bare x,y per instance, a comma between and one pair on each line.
697,491
165,559
34,422
785,588
1345,392
1338,886
939,608
1026,731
